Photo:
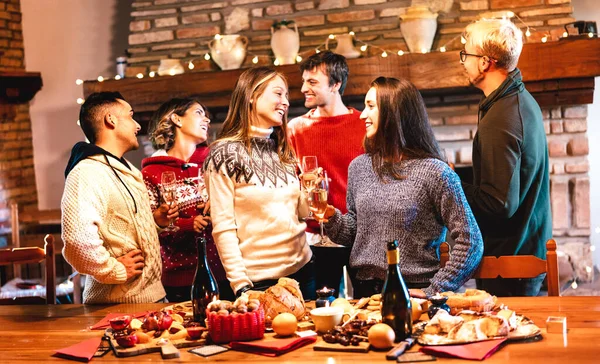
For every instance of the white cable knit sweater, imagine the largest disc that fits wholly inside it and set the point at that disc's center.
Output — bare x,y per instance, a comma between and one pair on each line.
256,204
99,224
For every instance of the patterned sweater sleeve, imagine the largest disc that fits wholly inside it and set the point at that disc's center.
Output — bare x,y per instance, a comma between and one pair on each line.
83,210
342,228
457,216
221,189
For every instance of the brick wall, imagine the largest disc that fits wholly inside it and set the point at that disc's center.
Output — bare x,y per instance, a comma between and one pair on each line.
182,29
17,176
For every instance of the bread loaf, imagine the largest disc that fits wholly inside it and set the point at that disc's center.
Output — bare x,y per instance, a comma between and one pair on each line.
285,296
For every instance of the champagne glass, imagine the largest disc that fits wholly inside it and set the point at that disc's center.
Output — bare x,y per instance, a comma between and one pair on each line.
310,170
168,181
202,192
318,202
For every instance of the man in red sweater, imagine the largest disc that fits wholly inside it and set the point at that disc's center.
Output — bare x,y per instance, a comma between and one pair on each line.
330,131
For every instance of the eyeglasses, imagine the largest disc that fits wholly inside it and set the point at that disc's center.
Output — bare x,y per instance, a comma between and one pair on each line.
463,55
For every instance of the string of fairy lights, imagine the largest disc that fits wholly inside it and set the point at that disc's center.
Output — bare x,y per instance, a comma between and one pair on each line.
364,46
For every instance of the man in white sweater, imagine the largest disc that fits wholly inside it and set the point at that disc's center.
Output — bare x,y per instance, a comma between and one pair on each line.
107,224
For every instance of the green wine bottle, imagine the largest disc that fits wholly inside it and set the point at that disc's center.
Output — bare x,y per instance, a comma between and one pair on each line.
396,308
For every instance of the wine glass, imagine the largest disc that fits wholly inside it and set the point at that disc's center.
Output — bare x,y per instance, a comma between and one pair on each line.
318,201
310,170
168,181
202,192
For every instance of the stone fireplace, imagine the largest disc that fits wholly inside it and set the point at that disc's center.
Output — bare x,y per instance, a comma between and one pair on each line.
182,29
17,87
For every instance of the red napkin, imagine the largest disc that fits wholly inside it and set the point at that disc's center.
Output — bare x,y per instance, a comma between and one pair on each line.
473,351
272,347
84,351
104,323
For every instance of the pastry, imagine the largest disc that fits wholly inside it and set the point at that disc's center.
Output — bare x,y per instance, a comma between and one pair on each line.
472,299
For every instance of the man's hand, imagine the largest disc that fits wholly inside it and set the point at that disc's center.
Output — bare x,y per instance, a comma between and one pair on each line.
164,214
133,262
201,222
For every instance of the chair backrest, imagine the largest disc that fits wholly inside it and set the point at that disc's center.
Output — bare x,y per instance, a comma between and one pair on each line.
35,255
516,266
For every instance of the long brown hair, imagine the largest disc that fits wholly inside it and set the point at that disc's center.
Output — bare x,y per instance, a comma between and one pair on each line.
249,87
403,132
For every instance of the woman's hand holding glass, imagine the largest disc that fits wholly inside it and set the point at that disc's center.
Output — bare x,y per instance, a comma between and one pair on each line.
164,214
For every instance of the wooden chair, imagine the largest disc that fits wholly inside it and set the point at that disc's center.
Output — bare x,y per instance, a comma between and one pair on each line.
19,219
34,255
516,266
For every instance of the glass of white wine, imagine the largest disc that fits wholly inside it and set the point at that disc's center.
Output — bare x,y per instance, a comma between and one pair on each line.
310,170
318,202
168,181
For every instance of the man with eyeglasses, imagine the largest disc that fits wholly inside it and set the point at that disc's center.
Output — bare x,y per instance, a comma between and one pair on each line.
510,194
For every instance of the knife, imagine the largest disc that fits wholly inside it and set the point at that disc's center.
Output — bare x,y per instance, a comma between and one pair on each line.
397,350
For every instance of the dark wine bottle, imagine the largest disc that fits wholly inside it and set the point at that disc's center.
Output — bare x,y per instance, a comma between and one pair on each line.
396,309
204,288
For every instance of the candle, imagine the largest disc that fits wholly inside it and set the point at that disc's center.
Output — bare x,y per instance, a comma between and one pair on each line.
324,297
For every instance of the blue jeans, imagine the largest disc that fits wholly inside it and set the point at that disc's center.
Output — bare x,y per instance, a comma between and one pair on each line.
508,287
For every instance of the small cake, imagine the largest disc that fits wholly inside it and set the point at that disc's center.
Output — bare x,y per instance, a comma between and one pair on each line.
244,320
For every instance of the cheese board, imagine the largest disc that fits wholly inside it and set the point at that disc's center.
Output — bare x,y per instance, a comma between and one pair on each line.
153,346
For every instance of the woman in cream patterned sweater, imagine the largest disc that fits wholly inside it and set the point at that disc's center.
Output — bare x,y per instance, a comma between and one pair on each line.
257,202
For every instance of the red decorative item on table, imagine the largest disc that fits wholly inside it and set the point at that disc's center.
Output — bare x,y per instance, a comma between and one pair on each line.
236,327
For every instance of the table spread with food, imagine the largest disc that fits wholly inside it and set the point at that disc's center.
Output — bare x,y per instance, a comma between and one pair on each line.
279,325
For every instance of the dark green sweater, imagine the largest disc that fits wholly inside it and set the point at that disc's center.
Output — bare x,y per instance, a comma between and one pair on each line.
510,194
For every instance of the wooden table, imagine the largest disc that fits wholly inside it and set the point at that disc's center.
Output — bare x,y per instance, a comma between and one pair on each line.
28,334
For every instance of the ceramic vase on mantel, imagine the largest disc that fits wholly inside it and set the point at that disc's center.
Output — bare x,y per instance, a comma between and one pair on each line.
345,46
228,51
418,28
285,43
170,67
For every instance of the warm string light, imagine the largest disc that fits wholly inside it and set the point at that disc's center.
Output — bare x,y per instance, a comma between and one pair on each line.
364,46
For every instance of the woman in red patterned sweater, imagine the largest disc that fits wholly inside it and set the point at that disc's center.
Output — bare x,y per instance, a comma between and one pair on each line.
177,127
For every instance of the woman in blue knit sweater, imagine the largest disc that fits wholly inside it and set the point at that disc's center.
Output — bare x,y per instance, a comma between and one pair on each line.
402,189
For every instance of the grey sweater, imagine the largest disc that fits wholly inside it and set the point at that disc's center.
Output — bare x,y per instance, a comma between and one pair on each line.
416,210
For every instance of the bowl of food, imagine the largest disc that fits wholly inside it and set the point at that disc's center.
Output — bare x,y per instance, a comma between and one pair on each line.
326,318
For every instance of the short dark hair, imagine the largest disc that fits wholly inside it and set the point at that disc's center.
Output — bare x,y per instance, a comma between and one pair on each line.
404,129
335,64
93,110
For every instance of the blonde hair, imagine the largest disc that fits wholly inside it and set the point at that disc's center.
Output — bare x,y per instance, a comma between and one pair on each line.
499,39
162,129
249,87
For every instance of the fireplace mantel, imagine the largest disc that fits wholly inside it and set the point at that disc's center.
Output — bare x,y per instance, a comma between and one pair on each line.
558,72
19,86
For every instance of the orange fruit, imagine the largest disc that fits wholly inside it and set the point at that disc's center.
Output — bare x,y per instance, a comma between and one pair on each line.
381,336
285,324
